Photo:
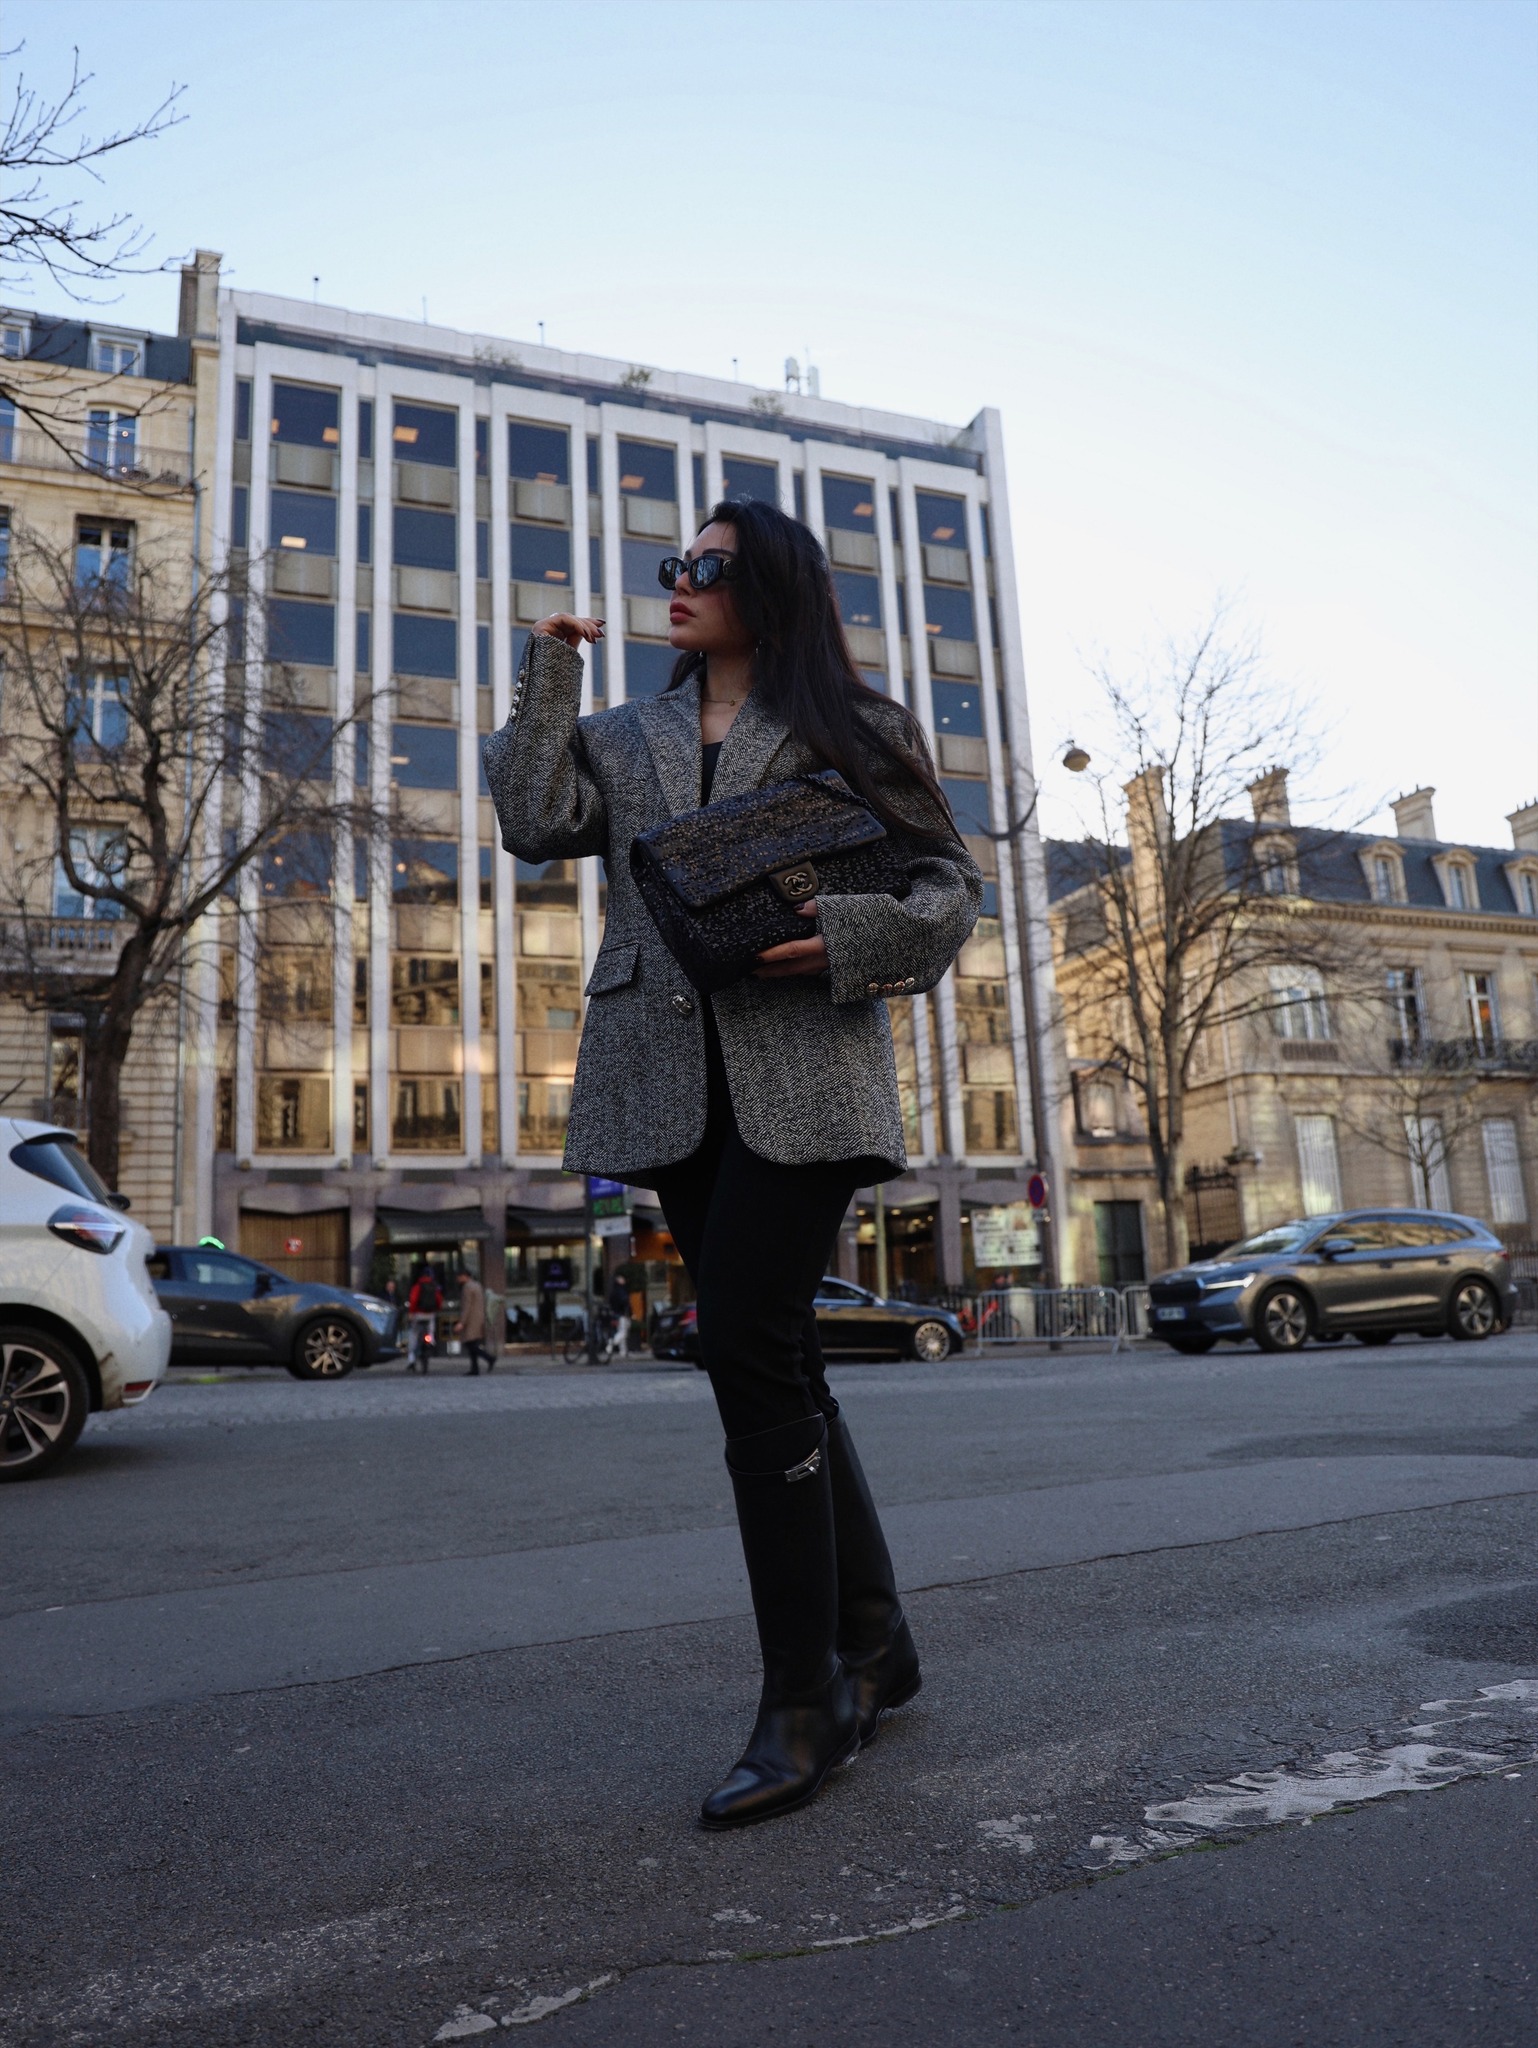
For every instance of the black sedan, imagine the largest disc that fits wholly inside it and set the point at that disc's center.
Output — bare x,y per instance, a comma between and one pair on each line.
851,1323
226,1310
1368,1273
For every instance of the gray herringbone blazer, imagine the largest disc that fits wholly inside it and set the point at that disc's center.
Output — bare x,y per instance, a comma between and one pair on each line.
808,1060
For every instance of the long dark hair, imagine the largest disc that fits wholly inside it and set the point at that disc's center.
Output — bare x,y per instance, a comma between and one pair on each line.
803,671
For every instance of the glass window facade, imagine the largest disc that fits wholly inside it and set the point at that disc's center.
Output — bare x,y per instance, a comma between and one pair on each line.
648,667
958,708
742,479
304,521
849,504
539,454
859,598
424,756
647,469
948,612
305,417
942,520
548,941
425,646
301,633
426,433
426,540
539,554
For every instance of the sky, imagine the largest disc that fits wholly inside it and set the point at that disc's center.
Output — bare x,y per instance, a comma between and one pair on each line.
1253,283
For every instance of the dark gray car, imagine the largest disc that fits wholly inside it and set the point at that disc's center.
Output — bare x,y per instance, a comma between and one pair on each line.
1368,1273
226,1310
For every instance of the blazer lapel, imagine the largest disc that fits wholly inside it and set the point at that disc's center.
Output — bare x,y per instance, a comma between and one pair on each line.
671,723
756,736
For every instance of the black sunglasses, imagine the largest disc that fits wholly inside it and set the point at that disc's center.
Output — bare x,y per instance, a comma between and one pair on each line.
701,572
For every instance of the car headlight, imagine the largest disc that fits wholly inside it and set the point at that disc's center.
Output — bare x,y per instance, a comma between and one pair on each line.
379,1313
1218,1286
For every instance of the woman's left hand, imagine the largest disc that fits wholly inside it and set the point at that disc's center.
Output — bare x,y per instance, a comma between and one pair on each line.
796,956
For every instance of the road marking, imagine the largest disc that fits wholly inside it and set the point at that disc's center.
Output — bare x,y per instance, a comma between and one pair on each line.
1424,1762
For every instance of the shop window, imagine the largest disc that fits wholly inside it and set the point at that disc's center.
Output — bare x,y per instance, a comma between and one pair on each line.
305,416
426,433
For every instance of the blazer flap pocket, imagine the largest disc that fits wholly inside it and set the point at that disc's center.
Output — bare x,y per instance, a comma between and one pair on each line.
614,968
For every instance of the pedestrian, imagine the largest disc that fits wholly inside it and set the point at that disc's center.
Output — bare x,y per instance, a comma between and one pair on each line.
755,1114
619,1308
422,1306
471,1326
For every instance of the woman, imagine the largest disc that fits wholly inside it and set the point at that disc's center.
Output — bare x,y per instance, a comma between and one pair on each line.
757,1113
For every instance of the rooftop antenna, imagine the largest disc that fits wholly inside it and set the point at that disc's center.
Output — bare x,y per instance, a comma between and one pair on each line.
541,333
315,289
424,309
792,374
734,369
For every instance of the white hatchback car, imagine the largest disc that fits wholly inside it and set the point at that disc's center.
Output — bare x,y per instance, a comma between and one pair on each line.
80,1325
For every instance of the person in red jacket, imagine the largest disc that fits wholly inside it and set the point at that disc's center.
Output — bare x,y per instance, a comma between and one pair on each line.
422,1306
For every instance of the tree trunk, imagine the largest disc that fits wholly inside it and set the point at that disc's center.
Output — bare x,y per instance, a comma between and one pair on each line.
107,1046
1176,1242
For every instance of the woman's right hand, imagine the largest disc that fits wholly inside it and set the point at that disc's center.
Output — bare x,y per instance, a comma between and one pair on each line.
565,626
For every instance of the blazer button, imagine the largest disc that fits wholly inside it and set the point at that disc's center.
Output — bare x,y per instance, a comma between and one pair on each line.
683,1004
873,988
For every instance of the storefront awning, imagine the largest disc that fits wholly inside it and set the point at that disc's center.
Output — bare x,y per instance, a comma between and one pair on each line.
431,1227
544,1226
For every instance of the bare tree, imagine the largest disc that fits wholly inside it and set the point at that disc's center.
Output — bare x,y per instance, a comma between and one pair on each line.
1425,1094
1186,903
52,224
151,789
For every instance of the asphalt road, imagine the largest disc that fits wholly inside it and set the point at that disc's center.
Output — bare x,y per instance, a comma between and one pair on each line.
378,1713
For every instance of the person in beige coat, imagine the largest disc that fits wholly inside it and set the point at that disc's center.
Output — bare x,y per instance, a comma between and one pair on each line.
471,1325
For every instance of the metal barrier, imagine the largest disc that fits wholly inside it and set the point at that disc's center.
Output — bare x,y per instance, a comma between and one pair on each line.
1044,1315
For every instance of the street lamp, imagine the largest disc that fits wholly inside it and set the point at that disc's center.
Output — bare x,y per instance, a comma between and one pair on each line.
1075,760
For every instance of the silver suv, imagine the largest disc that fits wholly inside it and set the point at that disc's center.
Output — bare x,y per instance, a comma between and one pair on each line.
80,1327
1369,1273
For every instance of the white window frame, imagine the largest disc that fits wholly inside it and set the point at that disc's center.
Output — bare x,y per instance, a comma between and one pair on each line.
1318,1165
1301,1008
1404,990
1472,998
1503,1170
132,344
89,844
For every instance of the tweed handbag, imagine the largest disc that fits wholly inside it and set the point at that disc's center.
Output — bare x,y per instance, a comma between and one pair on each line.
723,883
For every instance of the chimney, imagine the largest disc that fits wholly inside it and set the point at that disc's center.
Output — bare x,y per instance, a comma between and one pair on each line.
1148,816
198,315
1524,827
1268,796
1412,815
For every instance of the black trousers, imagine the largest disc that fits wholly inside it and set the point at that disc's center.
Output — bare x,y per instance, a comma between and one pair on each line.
756,1238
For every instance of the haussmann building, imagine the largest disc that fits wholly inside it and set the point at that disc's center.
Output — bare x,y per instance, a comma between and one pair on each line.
394,1084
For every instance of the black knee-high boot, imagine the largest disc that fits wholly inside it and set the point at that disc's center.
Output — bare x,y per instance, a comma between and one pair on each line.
806,1722
873,1638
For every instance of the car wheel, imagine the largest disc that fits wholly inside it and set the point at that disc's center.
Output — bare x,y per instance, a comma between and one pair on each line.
1475,1313
1191,1344
1282,1319
325,1349
44,1401
1373,1336
929,1342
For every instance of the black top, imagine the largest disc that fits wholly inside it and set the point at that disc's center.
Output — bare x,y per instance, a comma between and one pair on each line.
710,753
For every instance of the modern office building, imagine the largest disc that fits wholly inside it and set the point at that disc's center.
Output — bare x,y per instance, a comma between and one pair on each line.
395,1080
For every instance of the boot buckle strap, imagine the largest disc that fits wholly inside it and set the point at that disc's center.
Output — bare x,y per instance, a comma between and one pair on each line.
807,1469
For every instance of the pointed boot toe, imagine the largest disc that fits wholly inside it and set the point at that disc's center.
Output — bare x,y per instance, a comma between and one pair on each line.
882,1680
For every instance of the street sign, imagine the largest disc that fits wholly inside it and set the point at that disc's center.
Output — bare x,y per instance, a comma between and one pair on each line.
608,1202
1036,1191
293,1246
612,1226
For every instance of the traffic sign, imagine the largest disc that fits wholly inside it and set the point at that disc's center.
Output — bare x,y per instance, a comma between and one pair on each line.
1036,1191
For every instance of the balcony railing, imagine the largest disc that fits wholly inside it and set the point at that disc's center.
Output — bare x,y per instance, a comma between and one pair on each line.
59,939
144,462
1467,1055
